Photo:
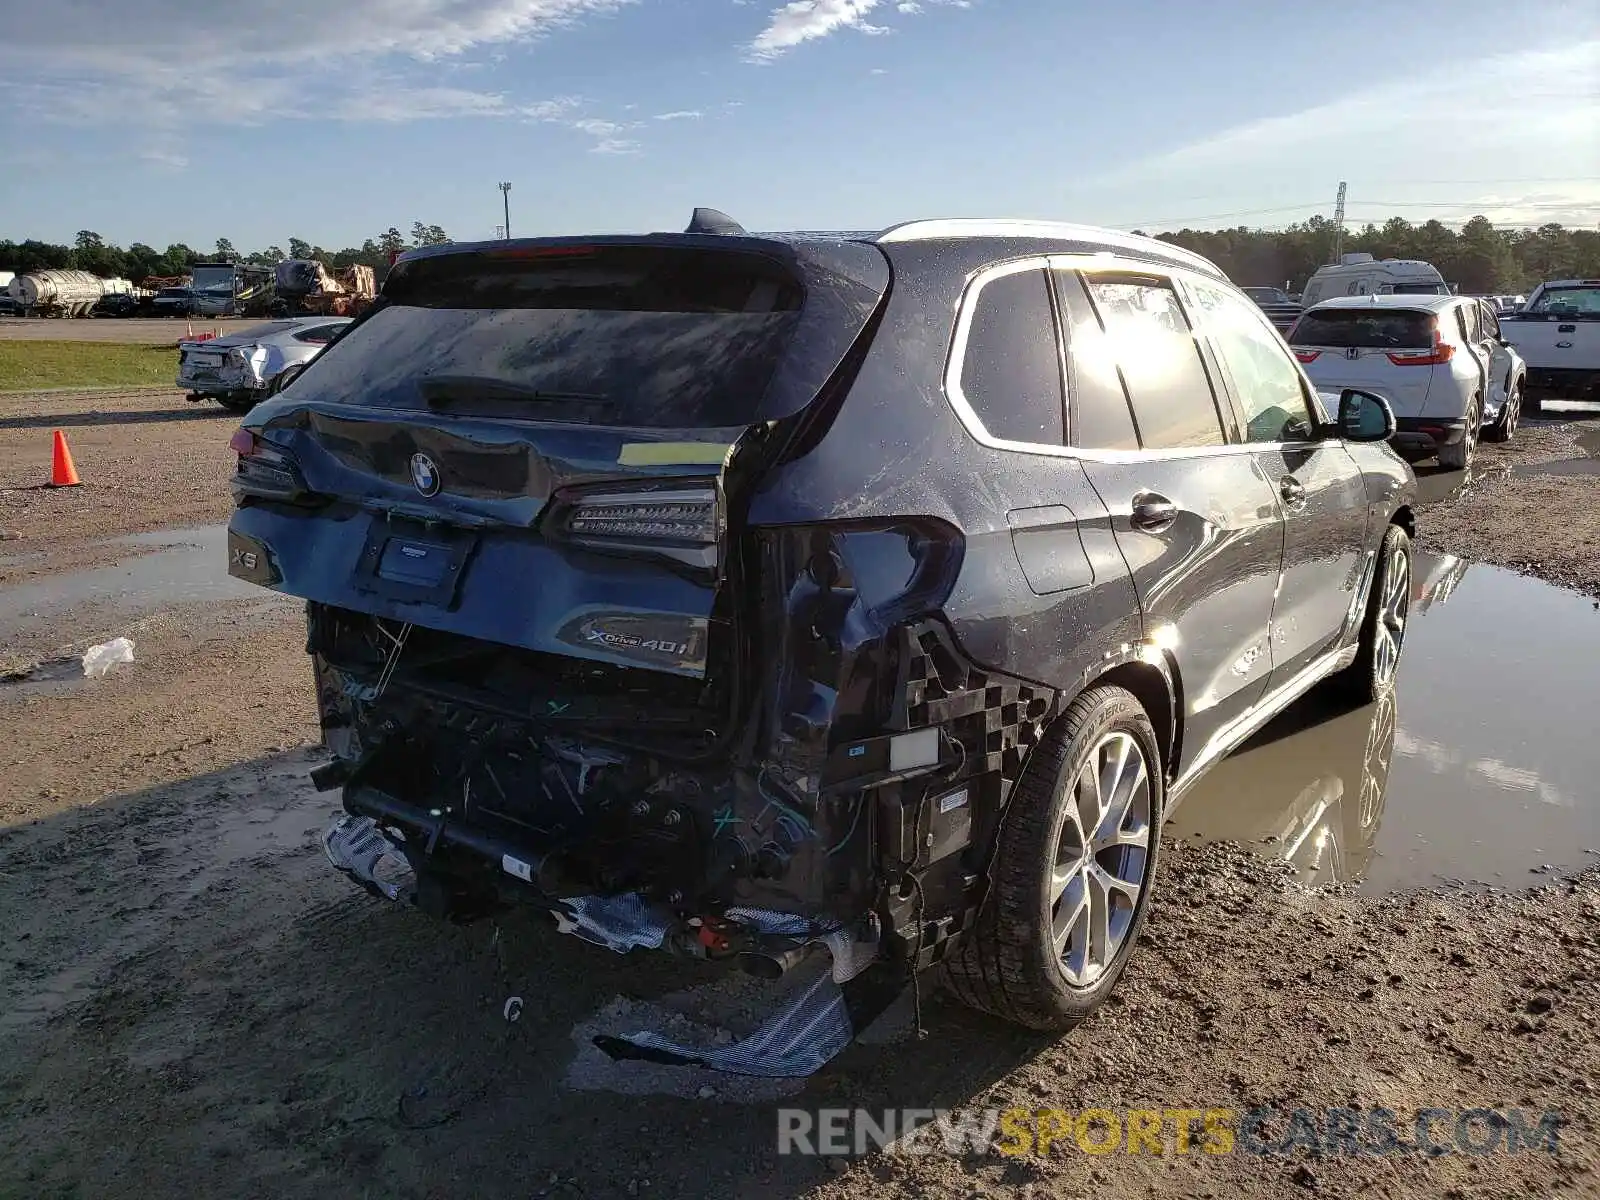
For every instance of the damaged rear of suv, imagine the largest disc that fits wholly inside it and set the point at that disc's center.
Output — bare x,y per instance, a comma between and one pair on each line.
677,585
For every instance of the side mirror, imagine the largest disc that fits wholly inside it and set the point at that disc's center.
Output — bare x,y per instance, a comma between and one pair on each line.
1365,417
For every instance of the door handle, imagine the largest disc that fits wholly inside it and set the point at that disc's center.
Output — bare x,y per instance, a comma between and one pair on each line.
1152,512
1292,491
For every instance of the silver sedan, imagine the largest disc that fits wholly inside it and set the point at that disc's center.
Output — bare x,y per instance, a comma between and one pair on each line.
238,370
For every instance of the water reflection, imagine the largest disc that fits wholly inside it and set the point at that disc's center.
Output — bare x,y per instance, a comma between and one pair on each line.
1309,788
1477,771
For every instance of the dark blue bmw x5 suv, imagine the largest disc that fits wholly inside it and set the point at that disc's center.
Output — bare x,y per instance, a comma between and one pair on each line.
841,605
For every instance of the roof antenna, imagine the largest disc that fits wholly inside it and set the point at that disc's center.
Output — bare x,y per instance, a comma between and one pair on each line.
709,220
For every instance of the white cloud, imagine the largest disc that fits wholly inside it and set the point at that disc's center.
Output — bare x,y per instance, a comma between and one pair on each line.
683,114
155,67
1526,116
803,21
806,20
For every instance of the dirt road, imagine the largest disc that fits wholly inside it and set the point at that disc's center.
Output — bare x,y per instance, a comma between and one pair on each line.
192,1003
148,460
138,331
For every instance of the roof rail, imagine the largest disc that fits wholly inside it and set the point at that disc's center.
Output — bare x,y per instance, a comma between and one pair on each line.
974,227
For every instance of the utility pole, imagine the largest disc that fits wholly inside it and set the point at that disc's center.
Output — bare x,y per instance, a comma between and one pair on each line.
1338,225
505,195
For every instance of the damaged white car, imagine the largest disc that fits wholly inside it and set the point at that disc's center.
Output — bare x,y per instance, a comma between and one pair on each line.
242,368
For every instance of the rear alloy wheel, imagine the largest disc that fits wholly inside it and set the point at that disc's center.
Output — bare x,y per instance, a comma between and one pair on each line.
1510,412
1459,457
1072,869
1383,632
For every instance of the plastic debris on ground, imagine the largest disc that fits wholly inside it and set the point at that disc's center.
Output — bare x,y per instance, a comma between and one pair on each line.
97,660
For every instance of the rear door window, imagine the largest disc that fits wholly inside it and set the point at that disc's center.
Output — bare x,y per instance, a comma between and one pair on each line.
1101,418
1365,328
649,336
1011,366
317,335
1173,404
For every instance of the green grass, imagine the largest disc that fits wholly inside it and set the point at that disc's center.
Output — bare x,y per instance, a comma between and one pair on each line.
27,366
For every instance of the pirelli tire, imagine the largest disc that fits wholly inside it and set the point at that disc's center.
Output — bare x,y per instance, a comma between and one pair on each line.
1059,846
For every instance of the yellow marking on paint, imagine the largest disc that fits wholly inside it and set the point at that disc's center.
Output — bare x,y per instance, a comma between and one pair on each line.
673,454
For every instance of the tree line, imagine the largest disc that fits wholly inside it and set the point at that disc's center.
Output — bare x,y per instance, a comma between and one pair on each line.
1477,258
91,252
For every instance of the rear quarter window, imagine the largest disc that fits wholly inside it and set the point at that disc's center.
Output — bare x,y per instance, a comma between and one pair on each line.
1010,367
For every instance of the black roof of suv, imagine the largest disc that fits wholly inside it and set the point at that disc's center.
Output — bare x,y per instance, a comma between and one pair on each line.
745,594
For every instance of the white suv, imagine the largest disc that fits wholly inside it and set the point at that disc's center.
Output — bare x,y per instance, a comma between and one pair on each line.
1425,355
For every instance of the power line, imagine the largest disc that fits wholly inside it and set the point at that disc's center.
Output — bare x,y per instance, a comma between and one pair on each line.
1481,203
1248,212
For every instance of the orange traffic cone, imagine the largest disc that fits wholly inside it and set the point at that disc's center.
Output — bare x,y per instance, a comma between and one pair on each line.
62,472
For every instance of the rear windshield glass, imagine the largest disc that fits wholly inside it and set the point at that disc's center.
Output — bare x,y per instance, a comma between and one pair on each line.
647,336
1568,301
1420,289
268,330
1378,328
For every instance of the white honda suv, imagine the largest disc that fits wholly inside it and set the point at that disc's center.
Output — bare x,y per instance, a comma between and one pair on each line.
1423,354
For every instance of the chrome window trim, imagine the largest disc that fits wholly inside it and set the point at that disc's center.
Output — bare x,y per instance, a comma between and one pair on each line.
974,426
957,359
1112,239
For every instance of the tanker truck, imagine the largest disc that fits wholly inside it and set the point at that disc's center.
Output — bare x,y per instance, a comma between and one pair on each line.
63,293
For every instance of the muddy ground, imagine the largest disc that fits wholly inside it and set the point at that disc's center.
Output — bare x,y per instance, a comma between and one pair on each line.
192,1003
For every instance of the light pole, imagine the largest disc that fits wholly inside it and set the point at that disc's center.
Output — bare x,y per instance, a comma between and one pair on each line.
505,195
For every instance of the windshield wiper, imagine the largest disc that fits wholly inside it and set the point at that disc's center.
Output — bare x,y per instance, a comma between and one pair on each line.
449,391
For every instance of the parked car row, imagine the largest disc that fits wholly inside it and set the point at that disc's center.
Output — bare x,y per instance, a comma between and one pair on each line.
1439,360
720,598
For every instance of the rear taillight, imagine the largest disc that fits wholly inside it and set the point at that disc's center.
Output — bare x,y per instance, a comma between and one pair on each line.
1308,356
682,522
264,471
1441,353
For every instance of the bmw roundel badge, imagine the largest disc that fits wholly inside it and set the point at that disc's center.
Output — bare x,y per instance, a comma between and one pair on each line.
425,474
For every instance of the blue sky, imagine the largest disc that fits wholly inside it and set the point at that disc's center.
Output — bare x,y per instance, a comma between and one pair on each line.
333,119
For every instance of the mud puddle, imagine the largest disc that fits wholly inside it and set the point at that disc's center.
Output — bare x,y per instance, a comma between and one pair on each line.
1478,771
166,567
71,610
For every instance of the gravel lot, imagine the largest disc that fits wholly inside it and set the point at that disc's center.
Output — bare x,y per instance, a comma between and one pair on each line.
139,331
194,1005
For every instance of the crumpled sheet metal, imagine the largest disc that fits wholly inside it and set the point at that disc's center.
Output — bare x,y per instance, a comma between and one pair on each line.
797,1040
